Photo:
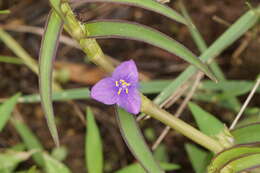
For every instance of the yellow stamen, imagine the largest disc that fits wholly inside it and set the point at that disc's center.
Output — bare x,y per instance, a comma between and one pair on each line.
126,90
119,91
125,83
117,83
121,80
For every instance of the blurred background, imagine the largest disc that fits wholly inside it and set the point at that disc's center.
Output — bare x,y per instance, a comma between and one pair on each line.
26,24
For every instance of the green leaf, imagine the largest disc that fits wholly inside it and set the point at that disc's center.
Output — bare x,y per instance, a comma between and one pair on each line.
207,123
199,158
244,163
6,109
30,140
248,120
202,46
137,168
230,88
54,166
161,154
47,54
59,153
18,147
11,60
9,160
149,87
146,4
235,31
247,134
5,11
33,169
236,153
169,166
215,98
197,38
135,141
93,146
122,29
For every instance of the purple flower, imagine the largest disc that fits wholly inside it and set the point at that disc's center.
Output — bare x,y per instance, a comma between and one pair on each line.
120,89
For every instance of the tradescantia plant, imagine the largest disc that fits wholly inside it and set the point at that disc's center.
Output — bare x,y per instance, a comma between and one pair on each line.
225,150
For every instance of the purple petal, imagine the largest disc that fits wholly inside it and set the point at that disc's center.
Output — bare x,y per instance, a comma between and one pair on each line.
130,102
126,71
104,91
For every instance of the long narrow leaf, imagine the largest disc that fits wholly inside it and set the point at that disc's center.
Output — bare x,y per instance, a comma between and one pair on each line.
199,158
137,168
93,148
6,109
135,141
123,29
54,166
5,11
207,122
11,60
9,160
47,54
233,158
149,87
146,4
247,134
235,31
30,140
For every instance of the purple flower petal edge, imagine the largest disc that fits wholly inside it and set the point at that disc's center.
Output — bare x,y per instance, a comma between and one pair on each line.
104,91
126,70
131,103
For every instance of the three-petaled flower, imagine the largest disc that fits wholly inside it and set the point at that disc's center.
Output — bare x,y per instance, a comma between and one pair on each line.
120,89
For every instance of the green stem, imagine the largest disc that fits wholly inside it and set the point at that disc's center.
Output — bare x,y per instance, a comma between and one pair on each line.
79,33
200,138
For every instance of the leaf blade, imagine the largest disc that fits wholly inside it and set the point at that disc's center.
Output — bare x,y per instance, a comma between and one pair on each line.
242,25
146,4
135,141
6,109
53,166
48,52
247,133
30,140
122,29
93,146
149,87
199,158
207,122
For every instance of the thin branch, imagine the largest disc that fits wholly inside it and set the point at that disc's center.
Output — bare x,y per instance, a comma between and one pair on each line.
245,104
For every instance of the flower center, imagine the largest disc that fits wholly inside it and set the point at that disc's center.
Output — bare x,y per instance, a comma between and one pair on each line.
122,85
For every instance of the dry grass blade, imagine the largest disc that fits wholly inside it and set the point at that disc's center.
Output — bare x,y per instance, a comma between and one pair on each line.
199,76
245,104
